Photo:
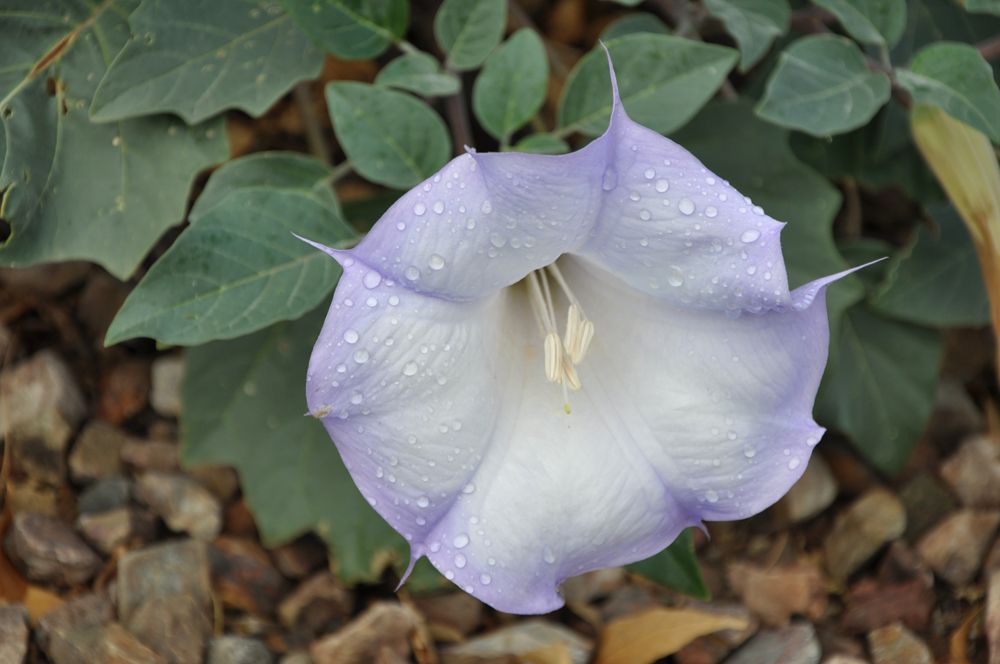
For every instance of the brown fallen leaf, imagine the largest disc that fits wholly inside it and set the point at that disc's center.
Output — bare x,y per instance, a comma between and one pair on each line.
554,653
646,637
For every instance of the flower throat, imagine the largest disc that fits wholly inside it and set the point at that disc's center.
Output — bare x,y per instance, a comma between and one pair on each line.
562,355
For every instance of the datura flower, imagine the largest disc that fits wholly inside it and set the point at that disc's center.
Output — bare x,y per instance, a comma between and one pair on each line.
535,366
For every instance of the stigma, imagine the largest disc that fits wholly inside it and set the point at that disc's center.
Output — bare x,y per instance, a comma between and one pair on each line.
562,353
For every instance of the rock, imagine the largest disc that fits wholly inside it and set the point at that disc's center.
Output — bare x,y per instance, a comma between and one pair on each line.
97,452
955,547
955,415
974,472
317,605
713,648
297,658
813,493
124,390
870,605
300,557
795,644
108,530
164,570
13,634
777,593
382,631
894,644
926,501
106,494
221,481
48,279
40,406
184,505
244,577
517,639
119,646
167,374
450,617
100,300
871,521
237,650
46,550
992,622
71,633
175,626
151,455
26,495
239,520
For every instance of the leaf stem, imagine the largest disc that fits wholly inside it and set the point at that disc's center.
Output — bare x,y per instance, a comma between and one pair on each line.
339,171
990,49
406,47
458,118
314,132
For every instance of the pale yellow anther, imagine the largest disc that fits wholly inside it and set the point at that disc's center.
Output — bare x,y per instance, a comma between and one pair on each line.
586,336
553,358
570,377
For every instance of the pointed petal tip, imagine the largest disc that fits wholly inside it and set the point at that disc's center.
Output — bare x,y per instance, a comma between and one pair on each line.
338,255
414,559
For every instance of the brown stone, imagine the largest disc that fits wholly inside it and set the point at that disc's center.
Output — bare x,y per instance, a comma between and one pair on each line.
100,300
175,626
49,279
992,624
459,613
777,593
870,605
13,634
714,648
300,557
810,495
382,631
183,504
164,570
156,455
40,407
318,604
46,550
97,452
894,644
974,472
926,501
870,522
244,577
119,646
70,633
124,391
232,649
795,644
221,481
955,547
116,527
167,374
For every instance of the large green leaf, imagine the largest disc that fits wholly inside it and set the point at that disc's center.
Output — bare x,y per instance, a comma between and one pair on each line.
956,78
936,280
272,171
467,30
632,23
754,24
351,29
542,144
930,21
70,188
511,87
822,86
235,271
879,385
984,6
244,402
390,137
879,22
663,81
675,567
196,58
420,73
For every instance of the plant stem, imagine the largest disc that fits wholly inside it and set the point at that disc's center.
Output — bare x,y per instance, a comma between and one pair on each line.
520,19
314,132
458,118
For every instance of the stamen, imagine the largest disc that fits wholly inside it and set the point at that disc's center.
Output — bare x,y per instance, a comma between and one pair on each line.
570,377
579,329
553,358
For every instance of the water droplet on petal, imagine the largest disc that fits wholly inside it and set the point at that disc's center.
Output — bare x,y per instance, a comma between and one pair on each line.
711,212
461,541
610,179
548,556
361,356
675,277
419,209
412,273
711,496
485,579
793,463
686,206
662,185
410,369
423,501
469,488
486,207
750,235
372,279
460,561
436,262
351,336
438,207
649,174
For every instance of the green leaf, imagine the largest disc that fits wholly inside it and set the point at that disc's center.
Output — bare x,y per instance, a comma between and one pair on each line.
271,171
822,86
244,402
390,137
511,87
675,567
237,270
931,21
879,385
70,188
956,78
635,23
542,144
351,29
663,81
467,30
754,24
420,73
879,22
983,6
936,281
197,58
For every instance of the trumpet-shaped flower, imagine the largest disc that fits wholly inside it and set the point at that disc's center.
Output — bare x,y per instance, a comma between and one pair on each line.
535,366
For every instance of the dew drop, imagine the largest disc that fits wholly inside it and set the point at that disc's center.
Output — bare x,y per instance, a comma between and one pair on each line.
419,209
749,452
675,277
461,541
548,556
711,212
610,179
469,488
361,356
393,300
351,336
649,174
485,579
423,501
460,561
486,207
498,240
750,236
644,214
372,279
410,369
412,273
711,496
662,185
435,262
793,463
438,207
686,206
357,398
